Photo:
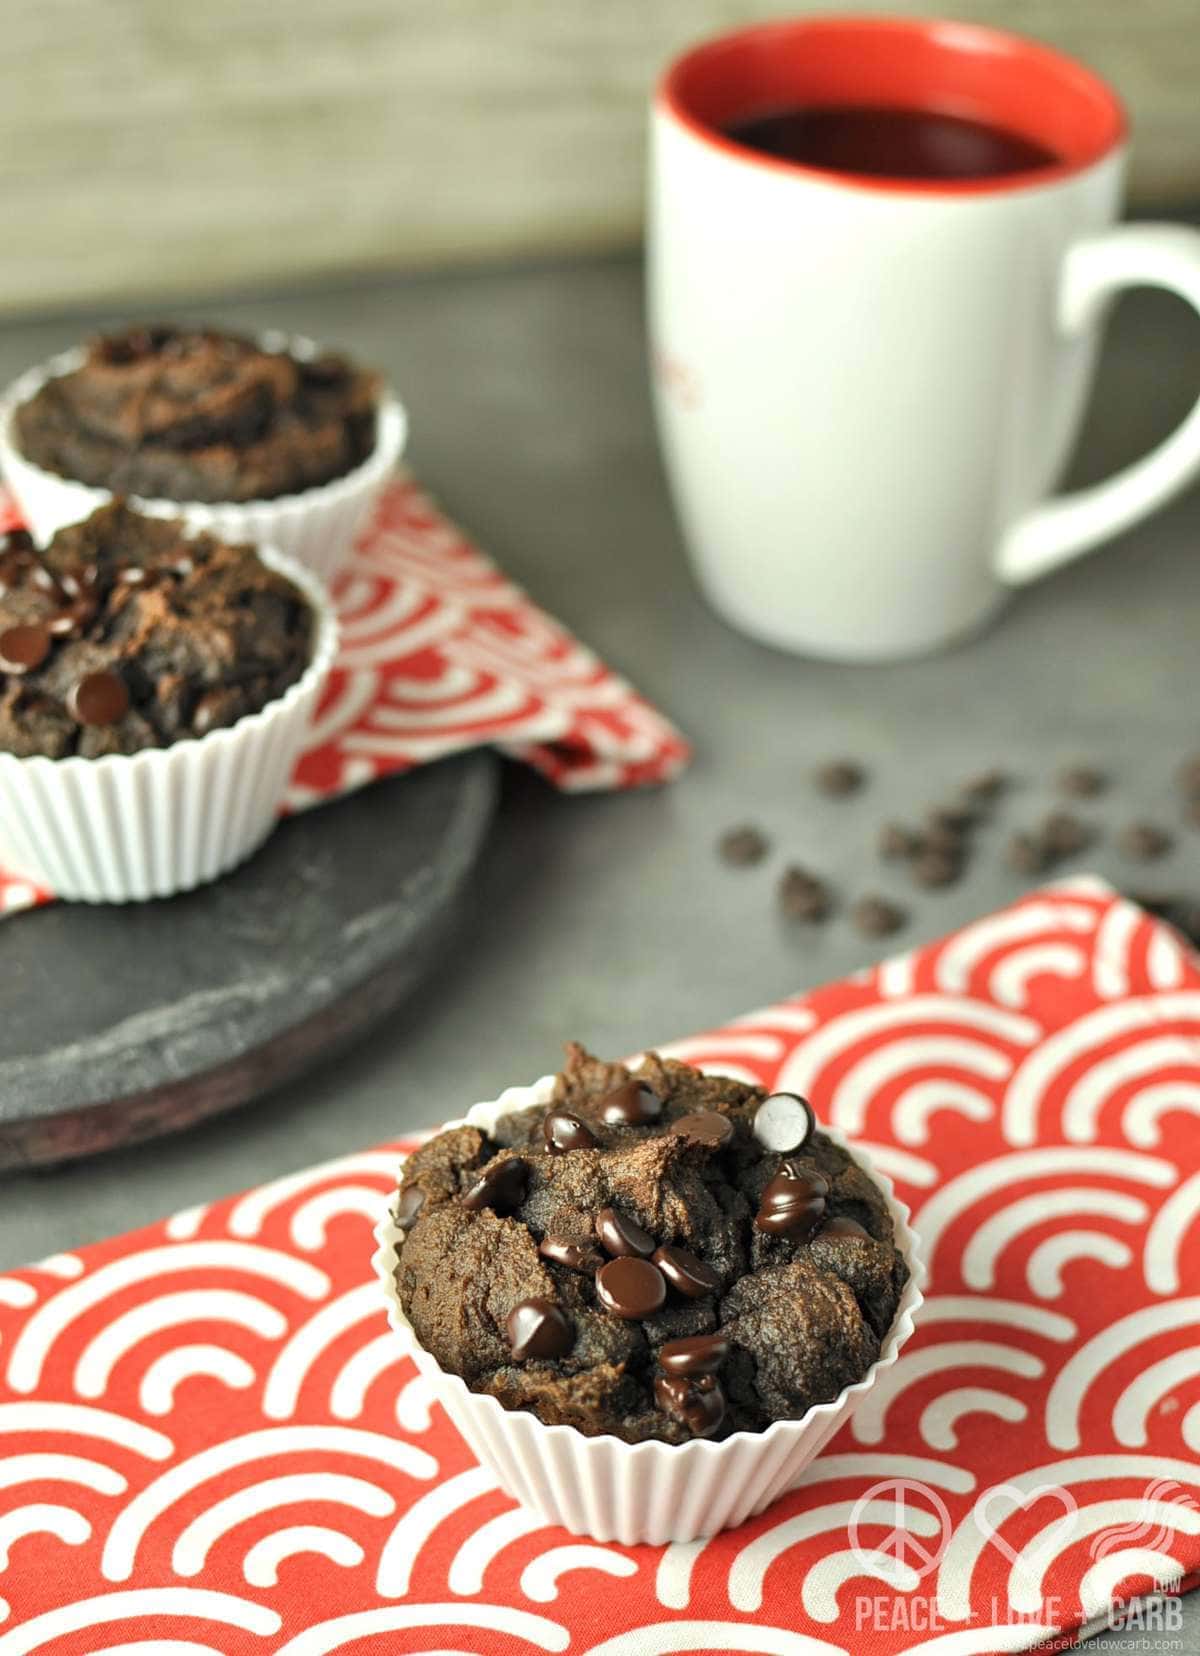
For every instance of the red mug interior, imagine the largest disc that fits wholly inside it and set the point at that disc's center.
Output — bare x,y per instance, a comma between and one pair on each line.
948,68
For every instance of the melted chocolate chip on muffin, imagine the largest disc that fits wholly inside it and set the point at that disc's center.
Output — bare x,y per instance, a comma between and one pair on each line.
642,1280
191,414
125,633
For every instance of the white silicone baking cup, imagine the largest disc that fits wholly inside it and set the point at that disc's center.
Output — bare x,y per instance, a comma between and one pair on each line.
317,527
655,1492
126,827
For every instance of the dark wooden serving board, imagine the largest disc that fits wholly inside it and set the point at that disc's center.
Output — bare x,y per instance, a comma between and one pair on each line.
119,1023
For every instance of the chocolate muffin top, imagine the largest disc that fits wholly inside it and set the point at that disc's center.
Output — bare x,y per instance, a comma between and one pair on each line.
192,414
635,1258
125,633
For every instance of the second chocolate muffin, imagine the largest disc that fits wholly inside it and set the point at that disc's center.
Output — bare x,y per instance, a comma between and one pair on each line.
195,414
635,1259
126,633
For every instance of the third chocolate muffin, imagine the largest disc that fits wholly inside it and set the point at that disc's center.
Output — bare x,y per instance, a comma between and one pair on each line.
656,1254
194,414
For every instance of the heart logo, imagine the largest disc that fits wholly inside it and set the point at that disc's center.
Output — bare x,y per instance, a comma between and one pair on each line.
996,1505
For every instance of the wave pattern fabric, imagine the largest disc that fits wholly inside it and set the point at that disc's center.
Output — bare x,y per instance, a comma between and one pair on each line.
211,1442
441,653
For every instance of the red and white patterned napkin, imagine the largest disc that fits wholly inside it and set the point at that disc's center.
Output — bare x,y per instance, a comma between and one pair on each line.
441,653
211,1437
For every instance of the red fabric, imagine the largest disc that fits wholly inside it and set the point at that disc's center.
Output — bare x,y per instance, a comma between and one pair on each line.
1031,1084
441,653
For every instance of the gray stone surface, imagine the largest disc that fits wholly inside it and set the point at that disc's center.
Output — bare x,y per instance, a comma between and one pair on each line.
609,917
182,1009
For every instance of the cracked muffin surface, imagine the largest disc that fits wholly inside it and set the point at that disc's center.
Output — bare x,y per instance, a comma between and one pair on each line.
635,1259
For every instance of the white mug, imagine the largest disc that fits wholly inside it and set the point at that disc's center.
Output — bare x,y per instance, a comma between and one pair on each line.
866,388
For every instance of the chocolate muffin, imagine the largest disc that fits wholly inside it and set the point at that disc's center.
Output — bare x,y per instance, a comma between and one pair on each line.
125,633
193,414
657,1254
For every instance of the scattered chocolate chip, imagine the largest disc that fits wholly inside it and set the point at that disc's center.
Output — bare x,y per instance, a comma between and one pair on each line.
842,1225
896,841
1065,835
935,868
697,1354
699,1403
784,1122
949,820
99,699
687,1274
943,841
502,1187
802,896
572,1255
23,648
793,1202
707,1127
563,1131
1143,841
632,1104
876,917
621,1236
743,847
1026,854
839,777
1081,781
537,1328
631,1288
987,785
412,1200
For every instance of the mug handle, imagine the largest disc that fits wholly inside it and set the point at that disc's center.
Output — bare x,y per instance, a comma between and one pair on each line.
1095,270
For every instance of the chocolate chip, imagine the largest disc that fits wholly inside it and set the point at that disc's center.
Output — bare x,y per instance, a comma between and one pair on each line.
952,820
743,847
632,1288
573,1255
622,1236
699,1403
986,785
1143,841
793,1202
697,1354
412,1200
1065,835
23,648
936,868
502,1187
784,1122
632,1104
563,1131
707,1127
688,1275
1081,781
839,777
1026,854
876,917
537,1328
802,896
99,699
942,840
895,841
842,1225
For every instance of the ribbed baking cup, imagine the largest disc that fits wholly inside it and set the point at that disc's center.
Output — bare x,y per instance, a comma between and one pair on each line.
656,1492
130,826
317,527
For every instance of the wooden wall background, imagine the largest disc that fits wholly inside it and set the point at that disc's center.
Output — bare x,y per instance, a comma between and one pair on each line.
184,146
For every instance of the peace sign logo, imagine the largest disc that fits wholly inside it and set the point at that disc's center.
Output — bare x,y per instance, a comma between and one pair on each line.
915,1537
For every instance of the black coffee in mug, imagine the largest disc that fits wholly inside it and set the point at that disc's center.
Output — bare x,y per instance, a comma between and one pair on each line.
878,142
